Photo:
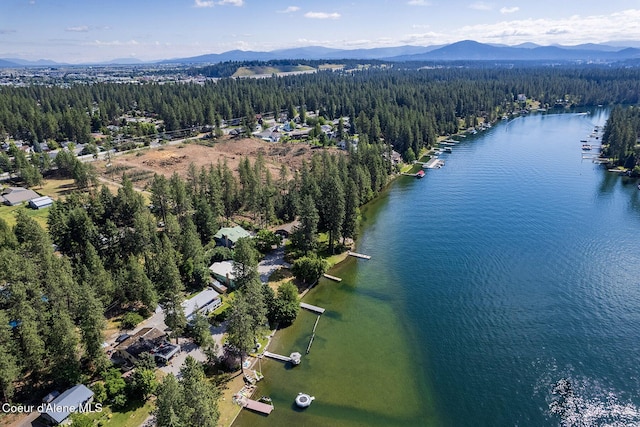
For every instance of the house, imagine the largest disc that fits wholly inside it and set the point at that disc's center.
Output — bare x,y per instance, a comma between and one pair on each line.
76,399
41,202
164,352
204,302
285,230
228,236
223,272
145,340
13,196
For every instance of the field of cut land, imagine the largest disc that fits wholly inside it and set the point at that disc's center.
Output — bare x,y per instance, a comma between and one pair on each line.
141,165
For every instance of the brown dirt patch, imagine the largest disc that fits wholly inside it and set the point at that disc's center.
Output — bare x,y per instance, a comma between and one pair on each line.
141,165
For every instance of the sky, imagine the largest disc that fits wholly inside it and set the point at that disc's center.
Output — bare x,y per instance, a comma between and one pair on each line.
77,31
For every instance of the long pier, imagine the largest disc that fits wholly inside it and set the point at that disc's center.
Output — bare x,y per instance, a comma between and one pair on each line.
334,278
277,356
313,308
357,255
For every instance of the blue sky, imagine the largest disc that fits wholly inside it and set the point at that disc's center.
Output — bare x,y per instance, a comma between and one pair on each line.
100,30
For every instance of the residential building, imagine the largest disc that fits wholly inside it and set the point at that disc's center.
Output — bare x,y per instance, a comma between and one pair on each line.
74,399
145,340
41,202
228,236
204,302
223,272
13,196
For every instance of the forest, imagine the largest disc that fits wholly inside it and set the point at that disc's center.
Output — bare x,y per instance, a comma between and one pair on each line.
620,138
103,252
407,108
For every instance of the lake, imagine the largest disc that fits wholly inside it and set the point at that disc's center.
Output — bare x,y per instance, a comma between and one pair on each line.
491,279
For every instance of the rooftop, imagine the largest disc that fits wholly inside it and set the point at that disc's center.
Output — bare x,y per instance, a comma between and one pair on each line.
73,397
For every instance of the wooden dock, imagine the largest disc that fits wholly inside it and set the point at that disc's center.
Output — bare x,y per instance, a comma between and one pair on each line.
334,278
277,356
310,307
254,405
357,255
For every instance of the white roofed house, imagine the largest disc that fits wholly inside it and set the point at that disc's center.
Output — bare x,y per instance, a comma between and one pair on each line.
73,400
205,302
223,272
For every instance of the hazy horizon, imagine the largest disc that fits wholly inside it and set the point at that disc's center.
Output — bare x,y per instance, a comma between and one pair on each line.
92,31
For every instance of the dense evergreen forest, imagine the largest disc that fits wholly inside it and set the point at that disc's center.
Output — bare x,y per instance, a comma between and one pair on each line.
621,136
408,108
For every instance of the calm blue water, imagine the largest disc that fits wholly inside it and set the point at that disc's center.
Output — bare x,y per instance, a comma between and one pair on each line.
514,266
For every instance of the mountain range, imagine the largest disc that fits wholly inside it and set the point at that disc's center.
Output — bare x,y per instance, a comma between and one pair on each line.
466,50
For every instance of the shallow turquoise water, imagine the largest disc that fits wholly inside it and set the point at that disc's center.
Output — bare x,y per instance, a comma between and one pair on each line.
512,267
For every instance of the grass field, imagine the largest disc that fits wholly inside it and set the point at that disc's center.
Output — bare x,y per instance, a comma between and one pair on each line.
54,188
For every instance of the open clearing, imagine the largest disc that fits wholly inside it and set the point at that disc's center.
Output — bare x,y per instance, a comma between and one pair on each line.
140,166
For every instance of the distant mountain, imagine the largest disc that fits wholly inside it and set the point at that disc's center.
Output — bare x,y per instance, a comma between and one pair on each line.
6,63
125,61
469,50
466,50
27,63
309,52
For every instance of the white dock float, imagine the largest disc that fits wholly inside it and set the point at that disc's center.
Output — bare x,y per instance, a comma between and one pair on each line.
334,278
357,255
313,308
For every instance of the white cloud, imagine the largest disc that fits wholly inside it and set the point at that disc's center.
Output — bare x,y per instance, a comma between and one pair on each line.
113,43
232,2
418,3
506,10
203,3
290,9
322,15
78,29
480,6
624,25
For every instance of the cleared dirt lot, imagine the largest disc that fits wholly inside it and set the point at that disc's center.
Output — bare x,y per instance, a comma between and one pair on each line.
141,165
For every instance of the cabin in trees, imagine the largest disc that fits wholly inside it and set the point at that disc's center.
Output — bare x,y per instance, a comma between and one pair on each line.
13,196
223,272
228,236
76,399
205,302
146,340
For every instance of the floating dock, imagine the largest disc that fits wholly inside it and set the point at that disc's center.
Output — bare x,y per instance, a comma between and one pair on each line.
334,278
357,255
310,307
433,163
254,405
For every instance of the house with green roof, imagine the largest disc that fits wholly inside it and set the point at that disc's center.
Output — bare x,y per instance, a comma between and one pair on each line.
228,236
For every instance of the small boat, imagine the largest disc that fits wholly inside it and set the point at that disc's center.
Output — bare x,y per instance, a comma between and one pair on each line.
303,400
447,150
586,147
420,174
583,140
265,399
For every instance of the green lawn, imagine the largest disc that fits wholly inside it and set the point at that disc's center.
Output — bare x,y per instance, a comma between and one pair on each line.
130,416
8,213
